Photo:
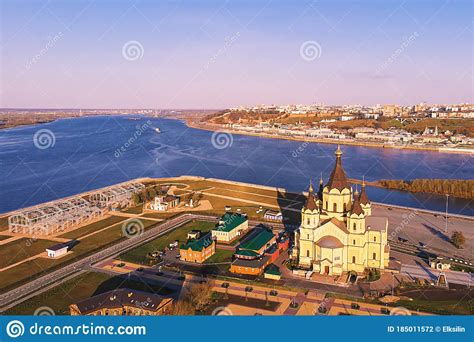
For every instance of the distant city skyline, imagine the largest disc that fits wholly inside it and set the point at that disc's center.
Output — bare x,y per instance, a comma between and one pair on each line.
220,54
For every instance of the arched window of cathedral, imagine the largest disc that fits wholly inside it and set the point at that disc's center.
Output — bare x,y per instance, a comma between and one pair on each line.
327,205
308,236
353,242
354,226
334,207
308,221
375,239
353,259
307,253
374,256
344,206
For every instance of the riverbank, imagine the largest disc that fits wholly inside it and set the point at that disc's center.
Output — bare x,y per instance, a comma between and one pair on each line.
215,128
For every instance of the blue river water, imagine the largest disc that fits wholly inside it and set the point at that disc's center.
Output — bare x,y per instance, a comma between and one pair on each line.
84,157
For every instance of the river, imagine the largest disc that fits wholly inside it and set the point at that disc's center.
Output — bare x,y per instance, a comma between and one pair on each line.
85,156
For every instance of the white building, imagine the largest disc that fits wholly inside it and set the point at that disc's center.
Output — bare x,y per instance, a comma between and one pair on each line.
57,250
163,203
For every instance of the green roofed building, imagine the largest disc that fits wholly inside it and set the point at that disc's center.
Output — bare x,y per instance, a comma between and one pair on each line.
258,242
272,272
198,250
230,226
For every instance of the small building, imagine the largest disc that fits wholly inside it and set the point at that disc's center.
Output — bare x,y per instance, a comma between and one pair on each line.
123,302
57,250
250,267
272,272
440,264
198,250
194,234
164,203
230,226
275,216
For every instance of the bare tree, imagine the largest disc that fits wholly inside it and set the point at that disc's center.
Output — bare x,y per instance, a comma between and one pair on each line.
183,307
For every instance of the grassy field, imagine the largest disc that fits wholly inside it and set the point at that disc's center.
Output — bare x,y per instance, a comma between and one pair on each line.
18,250
79,288
135,210
74,234
221,255
163,215
3,223
429,304
439,307
138,255
4,237
40,266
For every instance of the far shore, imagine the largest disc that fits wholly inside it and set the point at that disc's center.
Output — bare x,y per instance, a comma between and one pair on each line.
214,128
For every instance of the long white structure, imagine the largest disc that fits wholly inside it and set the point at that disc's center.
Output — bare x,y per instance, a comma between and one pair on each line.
119,195
52,217
66,214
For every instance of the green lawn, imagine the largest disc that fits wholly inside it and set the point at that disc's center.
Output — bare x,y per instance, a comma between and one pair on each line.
79,288
159,215
4,223
439,307
221,255
134,210
138,255
4,237
74,234
18,250
32,269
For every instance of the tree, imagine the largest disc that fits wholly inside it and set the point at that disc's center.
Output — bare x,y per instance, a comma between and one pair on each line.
200,295
183,307
150,194
136,198
458,239
197,196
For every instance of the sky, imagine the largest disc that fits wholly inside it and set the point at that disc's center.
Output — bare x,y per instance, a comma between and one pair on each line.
220,54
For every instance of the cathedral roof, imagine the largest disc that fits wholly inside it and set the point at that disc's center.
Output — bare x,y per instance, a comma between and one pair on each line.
363,196
329,242
340,224
338,179
356,207
310,201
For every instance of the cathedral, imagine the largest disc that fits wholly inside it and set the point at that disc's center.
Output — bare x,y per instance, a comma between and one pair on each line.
338,232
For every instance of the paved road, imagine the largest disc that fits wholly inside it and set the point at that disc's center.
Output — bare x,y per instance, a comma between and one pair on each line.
33,287
424,272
